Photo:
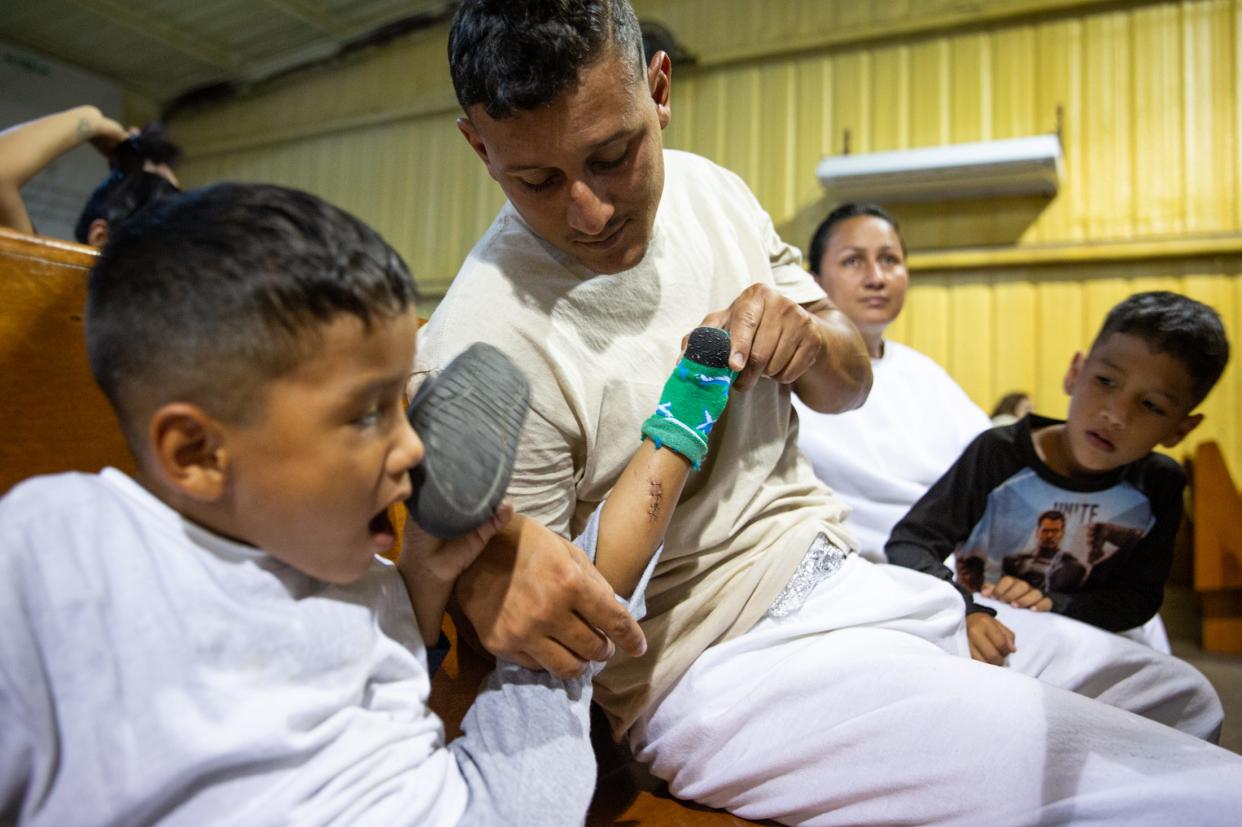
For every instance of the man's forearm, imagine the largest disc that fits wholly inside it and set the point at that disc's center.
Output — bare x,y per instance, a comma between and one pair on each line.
841,378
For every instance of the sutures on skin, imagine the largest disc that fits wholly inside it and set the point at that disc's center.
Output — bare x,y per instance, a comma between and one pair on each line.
656,497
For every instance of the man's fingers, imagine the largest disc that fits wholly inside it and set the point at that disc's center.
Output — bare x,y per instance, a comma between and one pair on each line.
550,655
612,619
803,358
1044,605
745,316
582,639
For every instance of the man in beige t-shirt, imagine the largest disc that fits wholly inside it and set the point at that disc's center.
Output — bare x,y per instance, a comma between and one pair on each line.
786,677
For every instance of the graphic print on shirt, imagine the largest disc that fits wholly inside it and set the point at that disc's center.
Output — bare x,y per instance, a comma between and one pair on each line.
1055,539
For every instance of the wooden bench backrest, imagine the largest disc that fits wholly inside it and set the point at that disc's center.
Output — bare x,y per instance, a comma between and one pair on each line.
52,415
1218,529
1218,550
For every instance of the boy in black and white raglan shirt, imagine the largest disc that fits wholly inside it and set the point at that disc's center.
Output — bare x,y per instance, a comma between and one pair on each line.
1077,518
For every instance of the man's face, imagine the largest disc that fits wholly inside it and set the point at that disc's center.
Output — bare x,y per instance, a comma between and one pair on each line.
1050,534
586,171
311,480
1125,399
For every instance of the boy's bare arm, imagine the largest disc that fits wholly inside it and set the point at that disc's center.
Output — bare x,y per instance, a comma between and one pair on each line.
430,566
637,513
675,440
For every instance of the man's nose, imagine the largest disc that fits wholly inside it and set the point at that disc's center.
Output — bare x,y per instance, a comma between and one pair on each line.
589,213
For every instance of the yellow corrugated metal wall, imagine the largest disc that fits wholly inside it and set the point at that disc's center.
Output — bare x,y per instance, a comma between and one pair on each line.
1004,291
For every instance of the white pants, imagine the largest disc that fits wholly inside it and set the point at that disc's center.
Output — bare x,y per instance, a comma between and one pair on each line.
864,708
1111,668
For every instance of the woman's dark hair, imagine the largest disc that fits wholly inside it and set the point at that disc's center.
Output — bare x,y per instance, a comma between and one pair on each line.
823,233
129,188
513,56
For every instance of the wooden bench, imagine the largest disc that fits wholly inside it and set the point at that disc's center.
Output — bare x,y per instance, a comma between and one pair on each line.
1217,516
52,415
54,418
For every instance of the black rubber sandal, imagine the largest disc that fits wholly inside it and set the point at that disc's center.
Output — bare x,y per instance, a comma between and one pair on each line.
469,418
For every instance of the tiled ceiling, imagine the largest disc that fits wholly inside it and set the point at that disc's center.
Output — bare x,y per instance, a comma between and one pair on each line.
166,48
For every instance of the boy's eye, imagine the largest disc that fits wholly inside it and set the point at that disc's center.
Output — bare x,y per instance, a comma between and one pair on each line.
892,261
1105,381
368,419
1153,407
852,261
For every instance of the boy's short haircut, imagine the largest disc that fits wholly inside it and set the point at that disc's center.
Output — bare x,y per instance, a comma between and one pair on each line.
512,57
209,295
1181,327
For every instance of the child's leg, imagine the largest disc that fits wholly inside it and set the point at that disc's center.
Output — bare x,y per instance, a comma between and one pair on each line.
1110,668
638,509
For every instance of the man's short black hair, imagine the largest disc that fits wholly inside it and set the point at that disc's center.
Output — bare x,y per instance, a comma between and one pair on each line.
209,295
1171,323
512,56
1055,516
823,233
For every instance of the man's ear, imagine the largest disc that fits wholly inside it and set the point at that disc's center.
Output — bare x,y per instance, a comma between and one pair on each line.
466,127
1188,424
659,83
97,232
187,445
1071,375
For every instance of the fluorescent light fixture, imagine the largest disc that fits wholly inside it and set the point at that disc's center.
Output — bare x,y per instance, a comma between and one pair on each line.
1014,166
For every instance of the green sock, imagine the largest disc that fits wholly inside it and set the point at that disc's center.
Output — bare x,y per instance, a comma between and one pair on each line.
692,401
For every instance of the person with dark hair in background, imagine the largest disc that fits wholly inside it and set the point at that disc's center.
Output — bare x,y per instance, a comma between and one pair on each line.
883,456
787,677
1011,407
141,174
141,165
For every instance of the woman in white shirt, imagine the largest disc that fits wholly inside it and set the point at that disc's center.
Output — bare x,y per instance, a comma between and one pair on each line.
883,456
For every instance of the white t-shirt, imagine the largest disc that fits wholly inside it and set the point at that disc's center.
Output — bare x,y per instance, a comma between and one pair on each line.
151,670
598,350
882,457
